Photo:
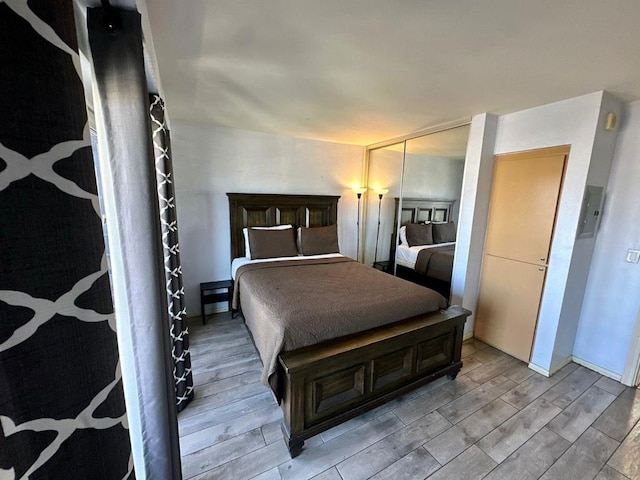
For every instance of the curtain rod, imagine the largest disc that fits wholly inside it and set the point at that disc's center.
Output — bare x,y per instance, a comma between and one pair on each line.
112,20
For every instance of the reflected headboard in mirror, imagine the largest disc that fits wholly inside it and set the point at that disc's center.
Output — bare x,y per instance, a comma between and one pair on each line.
268,210
419,210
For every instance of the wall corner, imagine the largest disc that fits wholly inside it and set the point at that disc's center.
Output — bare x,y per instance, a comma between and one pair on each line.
474,208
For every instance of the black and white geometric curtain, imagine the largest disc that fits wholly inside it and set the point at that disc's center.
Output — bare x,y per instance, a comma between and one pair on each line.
62,410
172,266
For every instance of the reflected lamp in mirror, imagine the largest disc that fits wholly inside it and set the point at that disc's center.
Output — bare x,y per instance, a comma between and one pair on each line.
381,192
358,191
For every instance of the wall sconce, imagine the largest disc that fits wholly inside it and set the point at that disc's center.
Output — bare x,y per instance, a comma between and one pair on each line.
358,191
381,192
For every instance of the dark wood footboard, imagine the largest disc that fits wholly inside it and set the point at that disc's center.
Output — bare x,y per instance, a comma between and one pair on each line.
326,384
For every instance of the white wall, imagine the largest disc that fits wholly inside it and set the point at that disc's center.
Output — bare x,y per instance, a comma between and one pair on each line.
433,177
472,219
211,161
385,171
573,122
597,175
612,300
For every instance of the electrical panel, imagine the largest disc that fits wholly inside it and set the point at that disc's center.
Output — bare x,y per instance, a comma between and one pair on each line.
591,210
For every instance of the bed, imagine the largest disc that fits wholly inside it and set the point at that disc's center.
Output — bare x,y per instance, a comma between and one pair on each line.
428,262
333,348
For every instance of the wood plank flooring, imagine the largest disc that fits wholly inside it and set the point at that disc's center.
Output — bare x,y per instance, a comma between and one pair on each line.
498,420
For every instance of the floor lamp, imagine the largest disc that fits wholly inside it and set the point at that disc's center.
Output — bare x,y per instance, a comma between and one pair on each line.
358,191
381,192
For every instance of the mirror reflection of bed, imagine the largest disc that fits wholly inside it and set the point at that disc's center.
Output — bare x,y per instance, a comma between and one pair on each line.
426,244
425,172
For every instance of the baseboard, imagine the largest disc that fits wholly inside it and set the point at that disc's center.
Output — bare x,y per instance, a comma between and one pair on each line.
540,370
602,371
579,361
558,366
552,370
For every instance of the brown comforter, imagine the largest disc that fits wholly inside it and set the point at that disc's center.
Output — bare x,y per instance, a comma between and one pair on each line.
436,262
295,303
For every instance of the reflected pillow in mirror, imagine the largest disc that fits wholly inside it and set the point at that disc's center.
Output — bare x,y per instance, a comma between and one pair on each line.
419,234
444,232
403,235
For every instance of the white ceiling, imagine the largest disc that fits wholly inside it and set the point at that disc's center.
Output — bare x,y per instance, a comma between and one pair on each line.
361,71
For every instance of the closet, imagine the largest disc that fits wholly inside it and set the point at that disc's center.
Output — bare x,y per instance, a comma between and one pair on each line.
522,213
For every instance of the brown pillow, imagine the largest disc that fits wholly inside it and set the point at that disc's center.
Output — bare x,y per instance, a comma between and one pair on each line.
319,240
444,232
272,243
419,234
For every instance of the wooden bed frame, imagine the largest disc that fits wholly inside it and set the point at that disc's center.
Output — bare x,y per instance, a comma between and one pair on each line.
418,210
326,384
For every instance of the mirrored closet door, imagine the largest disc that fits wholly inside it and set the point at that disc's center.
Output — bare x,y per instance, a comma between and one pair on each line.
424,177
434,168
384,178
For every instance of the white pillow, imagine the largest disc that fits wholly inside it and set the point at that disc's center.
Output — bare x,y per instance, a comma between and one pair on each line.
403,235
245,234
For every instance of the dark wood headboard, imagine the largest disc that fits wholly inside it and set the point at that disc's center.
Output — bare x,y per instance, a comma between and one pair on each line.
268,210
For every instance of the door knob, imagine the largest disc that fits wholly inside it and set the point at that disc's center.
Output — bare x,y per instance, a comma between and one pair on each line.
541,269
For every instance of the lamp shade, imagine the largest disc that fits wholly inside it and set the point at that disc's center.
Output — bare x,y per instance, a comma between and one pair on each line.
359,190
382,191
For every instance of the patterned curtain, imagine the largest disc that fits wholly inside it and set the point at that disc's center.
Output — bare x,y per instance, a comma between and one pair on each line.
62,410
172,266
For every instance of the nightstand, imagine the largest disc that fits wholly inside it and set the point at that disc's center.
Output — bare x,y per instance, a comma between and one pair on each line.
210,292
382,265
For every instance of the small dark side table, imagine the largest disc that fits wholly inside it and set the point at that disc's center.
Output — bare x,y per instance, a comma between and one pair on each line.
382,265
209,293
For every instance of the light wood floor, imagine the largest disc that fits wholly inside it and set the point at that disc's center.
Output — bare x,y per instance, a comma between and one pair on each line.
497,420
